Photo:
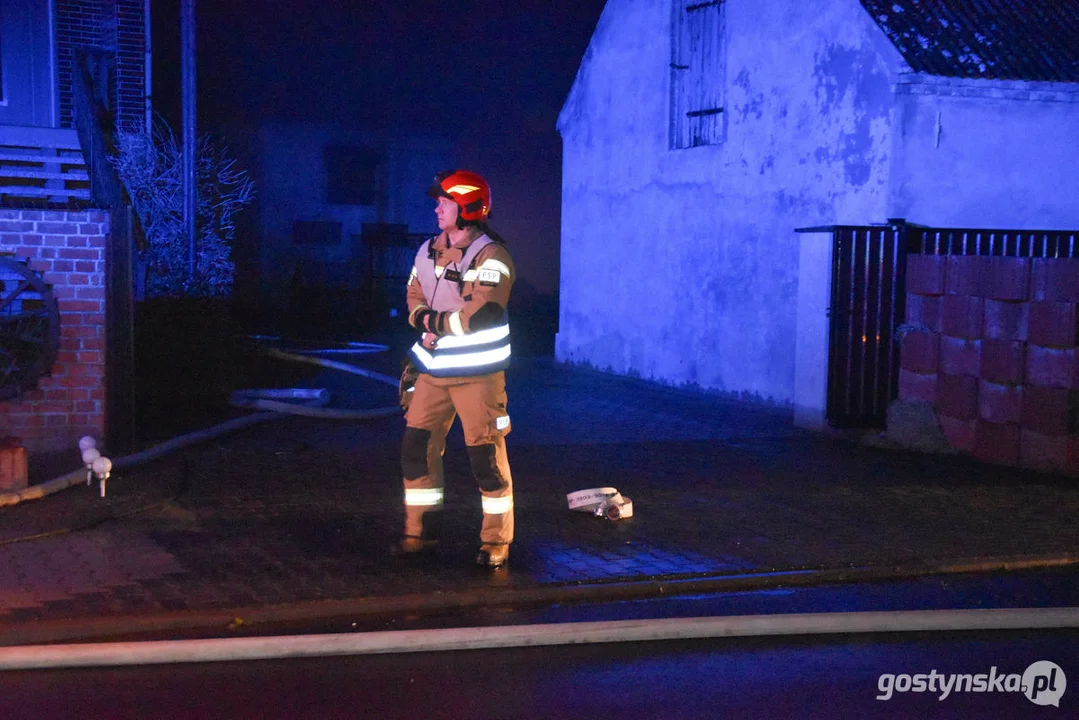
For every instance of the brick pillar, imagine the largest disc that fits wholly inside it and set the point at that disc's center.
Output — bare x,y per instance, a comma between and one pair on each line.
68,250
998,349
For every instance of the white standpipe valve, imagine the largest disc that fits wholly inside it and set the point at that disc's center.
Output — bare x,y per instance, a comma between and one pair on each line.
102,466
89,455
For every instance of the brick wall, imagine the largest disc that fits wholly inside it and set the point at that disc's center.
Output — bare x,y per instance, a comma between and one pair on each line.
130,47
68,250
116,27
78,25
996,351
923,84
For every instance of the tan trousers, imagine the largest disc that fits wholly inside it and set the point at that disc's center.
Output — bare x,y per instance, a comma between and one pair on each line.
481,403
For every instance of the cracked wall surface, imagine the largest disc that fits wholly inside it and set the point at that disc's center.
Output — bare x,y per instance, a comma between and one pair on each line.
681,265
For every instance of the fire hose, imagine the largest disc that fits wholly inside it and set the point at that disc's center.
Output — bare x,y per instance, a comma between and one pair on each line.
604,502
276,403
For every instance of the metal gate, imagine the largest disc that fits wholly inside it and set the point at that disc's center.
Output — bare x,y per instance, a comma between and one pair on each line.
868,300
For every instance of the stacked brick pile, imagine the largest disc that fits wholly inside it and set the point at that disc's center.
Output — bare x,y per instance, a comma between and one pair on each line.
68,250
995,349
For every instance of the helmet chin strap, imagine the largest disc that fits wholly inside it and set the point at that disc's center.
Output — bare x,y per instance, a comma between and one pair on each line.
462,224
465,227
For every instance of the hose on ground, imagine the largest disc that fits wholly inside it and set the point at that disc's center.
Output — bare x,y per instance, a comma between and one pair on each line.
274,402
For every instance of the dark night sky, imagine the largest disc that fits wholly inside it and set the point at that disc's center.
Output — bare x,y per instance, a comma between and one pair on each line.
490,75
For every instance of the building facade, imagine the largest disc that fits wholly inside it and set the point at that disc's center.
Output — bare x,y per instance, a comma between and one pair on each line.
69,69
698,136
335,205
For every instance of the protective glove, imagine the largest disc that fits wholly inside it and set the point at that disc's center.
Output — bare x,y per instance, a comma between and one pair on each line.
406,387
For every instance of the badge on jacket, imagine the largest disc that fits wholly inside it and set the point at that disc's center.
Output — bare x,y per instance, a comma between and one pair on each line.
489,277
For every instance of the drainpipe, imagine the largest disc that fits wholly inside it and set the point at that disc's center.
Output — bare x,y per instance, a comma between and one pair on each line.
149,67
187,81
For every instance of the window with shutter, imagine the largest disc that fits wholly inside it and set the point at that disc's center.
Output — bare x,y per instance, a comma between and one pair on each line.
697,70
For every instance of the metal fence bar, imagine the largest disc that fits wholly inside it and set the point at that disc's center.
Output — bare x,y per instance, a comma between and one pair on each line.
863,308
898,309
868,301
873,338
995,242
851,291
867,288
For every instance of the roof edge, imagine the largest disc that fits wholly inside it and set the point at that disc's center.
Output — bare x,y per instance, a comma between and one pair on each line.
578,78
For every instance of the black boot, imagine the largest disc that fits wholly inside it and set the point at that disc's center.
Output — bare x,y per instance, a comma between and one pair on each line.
426,542
493,555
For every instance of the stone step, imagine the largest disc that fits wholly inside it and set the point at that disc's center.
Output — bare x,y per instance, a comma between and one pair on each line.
43,174
38,137
71,159
24,191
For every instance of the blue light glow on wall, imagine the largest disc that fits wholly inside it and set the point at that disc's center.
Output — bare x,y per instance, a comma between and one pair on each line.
682,265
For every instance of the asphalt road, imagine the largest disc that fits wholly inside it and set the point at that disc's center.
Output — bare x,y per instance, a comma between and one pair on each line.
819,677
826,676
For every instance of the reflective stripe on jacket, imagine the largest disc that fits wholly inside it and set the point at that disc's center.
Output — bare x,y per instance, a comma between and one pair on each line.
475,353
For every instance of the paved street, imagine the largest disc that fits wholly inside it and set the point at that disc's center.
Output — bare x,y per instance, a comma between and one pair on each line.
291,518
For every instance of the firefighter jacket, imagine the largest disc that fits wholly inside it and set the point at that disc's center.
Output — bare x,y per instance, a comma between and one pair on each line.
460,296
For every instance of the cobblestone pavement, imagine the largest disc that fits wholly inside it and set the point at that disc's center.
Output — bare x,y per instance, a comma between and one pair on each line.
297,510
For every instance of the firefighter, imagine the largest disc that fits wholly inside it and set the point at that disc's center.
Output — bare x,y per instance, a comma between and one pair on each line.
457,296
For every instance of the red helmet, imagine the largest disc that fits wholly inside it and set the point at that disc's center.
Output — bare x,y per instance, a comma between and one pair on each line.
468,189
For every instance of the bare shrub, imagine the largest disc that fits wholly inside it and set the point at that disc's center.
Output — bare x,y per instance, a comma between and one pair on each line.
150,165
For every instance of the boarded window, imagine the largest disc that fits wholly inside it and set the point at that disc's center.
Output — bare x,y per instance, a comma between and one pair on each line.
316,232
697,70
351,175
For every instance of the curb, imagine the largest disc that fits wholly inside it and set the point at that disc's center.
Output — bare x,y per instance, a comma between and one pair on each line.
511,636
230,622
